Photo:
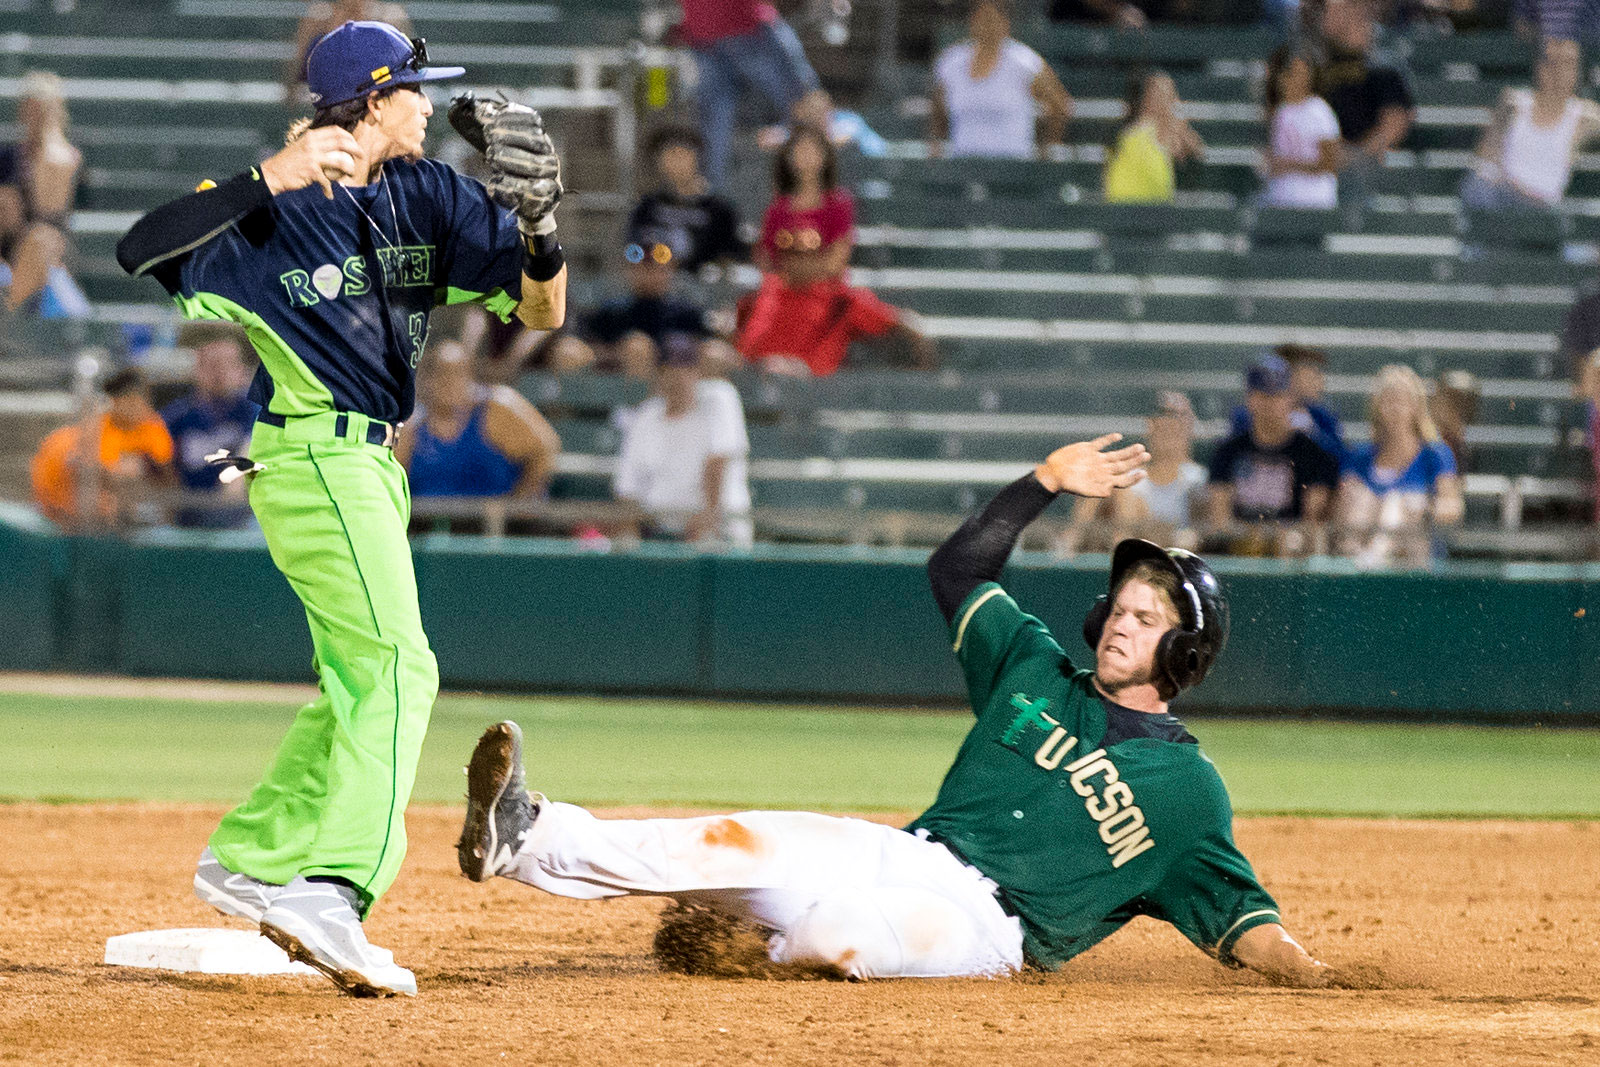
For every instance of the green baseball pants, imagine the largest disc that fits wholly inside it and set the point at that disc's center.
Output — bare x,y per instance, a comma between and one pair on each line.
332,802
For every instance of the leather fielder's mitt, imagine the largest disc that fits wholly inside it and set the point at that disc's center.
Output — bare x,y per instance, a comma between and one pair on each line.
526,170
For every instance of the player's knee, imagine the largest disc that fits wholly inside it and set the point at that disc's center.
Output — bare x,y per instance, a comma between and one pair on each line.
846,933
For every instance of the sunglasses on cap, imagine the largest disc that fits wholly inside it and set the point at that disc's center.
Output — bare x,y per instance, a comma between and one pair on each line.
415,62
419,54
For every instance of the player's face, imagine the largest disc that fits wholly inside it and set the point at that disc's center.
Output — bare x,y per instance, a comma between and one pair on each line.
403,120
1126,654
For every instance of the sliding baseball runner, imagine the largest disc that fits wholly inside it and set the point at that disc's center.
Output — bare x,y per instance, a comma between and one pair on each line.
1076,802
331,254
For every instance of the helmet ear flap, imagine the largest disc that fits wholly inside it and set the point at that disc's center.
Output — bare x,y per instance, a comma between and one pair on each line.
1182,659
1094,623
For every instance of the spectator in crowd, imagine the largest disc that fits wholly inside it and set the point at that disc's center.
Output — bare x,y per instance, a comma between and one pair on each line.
1562,20
1272,478
1311,415
1580,335
1454,407
696,225
502,349
1141,167
123,445
470,439
740,46
1371,100
1526,154
38,184
1401,482
629,334
324,16
1166,507
1303,153
989,89
216,414
805,315
846,129
684,455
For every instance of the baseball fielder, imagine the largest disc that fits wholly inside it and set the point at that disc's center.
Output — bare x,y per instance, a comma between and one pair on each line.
331,254
1076,802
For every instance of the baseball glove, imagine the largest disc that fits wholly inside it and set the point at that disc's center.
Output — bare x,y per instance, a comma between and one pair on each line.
526,170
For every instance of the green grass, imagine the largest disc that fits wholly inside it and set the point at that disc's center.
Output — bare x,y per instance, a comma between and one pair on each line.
614,750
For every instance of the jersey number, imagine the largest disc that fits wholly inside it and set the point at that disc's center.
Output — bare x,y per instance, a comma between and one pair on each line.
417,323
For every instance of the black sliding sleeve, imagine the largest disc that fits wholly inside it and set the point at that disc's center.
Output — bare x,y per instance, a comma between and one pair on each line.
976,552
190,221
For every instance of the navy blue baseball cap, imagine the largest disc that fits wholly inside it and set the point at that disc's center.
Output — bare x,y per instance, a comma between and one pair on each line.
1270,374
360,57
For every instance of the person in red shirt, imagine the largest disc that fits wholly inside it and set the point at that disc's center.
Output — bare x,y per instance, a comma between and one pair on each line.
804,317
741,46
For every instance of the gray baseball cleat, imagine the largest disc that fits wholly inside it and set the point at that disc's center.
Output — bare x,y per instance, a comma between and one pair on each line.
499,811
316,923
237,895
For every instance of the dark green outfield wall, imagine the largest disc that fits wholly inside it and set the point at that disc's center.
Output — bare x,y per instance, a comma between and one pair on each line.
798,622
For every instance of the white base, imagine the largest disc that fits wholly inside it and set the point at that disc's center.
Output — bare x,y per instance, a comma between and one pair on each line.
206,951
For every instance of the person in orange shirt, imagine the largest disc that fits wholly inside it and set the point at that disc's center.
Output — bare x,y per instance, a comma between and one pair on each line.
127,439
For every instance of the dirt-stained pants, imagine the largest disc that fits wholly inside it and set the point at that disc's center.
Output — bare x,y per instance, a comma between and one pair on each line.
869,900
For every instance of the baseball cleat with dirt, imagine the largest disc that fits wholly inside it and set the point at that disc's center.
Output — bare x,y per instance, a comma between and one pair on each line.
499,810
316,923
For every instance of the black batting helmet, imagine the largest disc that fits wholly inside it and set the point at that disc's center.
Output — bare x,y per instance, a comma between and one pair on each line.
1188,650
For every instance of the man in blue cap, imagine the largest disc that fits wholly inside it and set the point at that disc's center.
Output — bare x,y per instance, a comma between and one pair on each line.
1271,484
331,253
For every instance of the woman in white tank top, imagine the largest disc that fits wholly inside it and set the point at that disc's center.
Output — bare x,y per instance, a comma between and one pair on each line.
987,90
1165,507
1525,157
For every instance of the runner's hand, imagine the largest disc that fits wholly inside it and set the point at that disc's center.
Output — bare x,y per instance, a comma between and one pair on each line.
1086,469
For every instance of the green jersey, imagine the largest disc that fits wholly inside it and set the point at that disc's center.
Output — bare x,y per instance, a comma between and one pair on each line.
1082,835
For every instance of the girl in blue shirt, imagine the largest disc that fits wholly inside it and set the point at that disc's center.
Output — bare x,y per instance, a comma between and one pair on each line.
1394,488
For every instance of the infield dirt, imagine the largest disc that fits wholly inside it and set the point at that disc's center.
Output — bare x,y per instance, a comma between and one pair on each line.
1487,935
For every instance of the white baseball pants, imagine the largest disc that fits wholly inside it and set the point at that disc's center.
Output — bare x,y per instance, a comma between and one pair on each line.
868,900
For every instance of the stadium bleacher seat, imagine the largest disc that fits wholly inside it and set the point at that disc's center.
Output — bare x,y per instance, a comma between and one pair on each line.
1057,315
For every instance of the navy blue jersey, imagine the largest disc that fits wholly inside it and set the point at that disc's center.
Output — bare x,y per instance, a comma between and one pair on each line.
335,294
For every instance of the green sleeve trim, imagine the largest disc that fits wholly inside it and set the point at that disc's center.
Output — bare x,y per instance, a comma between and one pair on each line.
497,301
295,390
978,597
1241,925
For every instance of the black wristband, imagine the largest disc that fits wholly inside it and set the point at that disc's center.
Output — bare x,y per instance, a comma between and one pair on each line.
542,258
